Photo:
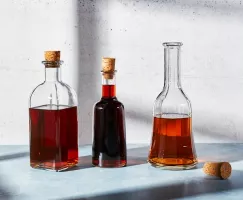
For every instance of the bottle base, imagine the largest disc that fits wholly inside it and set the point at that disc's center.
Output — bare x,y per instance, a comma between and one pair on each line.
173,164
109,164
52,166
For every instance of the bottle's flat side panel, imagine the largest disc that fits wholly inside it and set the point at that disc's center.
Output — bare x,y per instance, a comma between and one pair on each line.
53,138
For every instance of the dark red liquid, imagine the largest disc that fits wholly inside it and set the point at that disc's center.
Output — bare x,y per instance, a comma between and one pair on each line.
108,91
109,143
53,137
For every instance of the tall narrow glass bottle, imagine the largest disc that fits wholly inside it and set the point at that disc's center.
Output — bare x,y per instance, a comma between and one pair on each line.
53,120
109,132
172,145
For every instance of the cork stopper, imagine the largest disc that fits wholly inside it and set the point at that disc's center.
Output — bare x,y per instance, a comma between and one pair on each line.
108,67
52,56
217,169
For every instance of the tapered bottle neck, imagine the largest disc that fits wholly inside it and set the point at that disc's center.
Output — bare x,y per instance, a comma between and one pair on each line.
52,71
172,65
108,85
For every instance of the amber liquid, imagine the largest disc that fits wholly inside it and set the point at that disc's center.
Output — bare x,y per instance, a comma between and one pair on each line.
172,142
53,137
109,143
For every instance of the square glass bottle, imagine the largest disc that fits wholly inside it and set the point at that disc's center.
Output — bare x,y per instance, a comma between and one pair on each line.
53,120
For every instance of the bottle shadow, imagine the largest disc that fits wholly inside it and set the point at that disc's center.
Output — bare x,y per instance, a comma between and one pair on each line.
190,188
218,152
85,162
136,156
205,152
13,156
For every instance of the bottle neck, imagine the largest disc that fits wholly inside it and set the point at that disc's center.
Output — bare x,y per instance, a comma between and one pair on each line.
172,67
52,74
108,86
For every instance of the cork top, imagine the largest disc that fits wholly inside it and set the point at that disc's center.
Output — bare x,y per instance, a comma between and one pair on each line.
52,56
218,169
108,64
108,67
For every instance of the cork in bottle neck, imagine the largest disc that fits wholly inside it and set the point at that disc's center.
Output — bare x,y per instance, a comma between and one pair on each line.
108,67
52,59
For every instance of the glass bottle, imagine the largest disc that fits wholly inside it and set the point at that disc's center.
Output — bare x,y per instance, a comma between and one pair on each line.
172,145
53,120
109,132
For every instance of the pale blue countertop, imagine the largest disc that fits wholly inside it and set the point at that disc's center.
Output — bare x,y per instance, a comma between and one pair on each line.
137,181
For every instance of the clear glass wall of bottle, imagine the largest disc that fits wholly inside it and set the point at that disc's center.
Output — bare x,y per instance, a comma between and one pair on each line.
53,122
172,145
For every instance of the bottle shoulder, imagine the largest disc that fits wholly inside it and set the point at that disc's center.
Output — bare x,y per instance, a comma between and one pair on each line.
172,101
37,89
54,93
177,95
57,86
111,102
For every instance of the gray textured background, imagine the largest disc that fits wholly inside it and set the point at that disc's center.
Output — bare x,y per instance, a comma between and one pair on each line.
133,32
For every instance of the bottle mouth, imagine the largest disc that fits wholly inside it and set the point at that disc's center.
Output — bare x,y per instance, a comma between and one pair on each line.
108,72
59,62
172,44
52,64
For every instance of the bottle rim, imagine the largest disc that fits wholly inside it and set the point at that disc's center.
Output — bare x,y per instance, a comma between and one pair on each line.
172,44
60,62
111,72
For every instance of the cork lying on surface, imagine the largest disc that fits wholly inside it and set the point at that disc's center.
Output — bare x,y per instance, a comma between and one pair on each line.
108,67
52,56
217,169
